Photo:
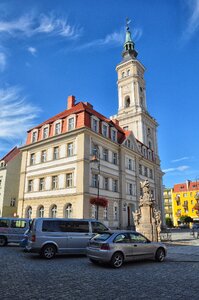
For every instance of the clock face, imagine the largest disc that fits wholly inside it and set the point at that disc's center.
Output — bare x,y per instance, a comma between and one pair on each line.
126,88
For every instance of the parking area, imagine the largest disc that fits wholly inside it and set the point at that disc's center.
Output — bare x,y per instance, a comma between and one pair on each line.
26,276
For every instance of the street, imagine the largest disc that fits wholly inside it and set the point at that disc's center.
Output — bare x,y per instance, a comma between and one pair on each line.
27,276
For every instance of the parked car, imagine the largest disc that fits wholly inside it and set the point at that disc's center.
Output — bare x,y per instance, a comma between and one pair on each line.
195,230
50,236
116,247
12,230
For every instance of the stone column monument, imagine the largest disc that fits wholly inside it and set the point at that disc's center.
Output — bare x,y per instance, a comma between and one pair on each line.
147,218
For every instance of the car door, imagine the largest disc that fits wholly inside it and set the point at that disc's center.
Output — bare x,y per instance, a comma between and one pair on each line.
141,247
17,229
78,236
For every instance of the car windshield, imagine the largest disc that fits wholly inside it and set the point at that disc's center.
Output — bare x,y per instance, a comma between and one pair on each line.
102,236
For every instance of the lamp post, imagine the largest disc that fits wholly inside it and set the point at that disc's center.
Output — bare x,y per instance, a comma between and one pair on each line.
96,159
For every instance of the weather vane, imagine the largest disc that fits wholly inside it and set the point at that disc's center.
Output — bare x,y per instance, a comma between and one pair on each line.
128,21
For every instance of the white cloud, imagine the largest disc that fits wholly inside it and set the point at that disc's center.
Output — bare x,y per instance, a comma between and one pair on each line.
16,114
180,169
113,39
193,22
30,25
32,50
2,61
180,159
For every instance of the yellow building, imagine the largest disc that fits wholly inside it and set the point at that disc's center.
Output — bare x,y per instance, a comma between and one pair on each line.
184,198
168,210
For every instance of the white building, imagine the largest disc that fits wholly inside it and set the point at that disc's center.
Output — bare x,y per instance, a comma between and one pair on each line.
58,175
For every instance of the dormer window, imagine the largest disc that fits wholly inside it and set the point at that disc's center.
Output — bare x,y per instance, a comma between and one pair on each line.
34,136
104,130
45,132
57,128
71,123
114,135
128,143
95,124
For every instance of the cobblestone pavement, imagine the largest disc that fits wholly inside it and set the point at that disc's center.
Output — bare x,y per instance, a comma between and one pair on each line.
25,276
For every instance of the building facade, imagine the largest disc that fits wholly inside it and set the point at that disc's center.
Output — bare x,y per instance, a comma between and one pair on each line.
9,182
58,174
185,196
168,207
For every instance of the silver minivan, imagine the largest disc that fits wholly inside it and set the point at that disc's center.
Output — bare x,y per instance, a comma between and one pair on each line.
49,236
12,230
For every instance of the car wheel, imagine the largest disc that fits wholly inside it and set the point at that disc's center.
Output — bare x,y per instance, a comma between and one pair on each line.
117,260
3,241
95,262
48,251
160,255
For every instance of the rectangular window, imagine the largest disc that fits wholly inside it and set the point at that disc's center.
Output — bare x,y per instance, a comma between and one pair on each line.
145,171
30,185
105,130
113,135
114,158
0,183
140,169
57,128
106,183
32,159
70,149
115,185
69,180
105,213
71,123
95,125
105,154
41,184
45,132
130,164
115,213
95,180
151,174
34,136
12,202
56,153
43,156
130,189
54,182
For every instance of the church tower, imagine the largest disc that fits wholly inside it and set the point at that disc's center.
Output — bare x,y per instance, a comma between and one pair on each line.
132,109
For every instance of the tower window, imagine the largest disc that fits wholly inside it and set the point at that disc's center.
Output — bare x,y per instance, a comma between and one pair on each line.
128,72
123,74
127,102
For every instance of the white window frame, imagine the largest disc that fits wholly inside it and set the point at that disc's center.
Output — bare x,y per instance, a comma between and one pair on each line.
55,183
41,184
30,185
68,211
45,136
59,122
113,134
43,157
56,152
70,149
95,119
69,179
34,133
115,185
105,125
105,214
32,159
115,158
68,122
115,211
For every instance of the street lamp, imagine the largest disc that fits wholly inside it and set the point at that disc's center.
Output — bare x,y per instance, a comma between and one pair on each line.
96,160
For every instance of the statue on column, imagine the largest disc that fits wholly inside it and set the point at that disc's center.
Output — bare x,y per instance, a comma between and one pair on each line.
147,218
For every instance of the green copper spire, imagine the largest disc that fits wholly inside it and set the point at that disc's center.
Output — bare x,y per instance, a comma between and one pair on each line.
128,51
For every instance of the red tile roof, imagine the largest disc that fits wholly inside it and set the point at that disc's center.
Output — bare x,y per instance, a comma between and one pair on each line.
11,154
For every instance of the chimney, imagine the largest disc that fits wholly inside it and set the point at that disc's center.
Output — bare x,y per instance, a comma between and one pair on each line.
71,102
88,104
188,183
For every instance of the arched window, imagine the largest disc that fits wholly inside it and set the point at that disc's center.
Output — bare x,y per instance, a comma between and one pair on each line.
29,212
115,211
40,211
127,101
53,211
128,72
106,213
94,212
123,74
68,211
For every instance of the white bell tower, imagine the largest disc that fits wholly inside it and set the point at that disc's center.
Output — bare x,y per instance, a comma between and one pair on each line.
132,108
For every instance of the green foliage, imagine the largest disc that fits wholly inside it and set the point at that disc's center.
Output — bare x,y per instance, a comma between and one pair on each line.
186,219
169,222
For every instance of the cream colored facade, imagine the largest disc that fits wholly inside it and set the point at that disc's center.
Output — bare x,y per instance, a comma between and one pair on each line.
62,184
9,185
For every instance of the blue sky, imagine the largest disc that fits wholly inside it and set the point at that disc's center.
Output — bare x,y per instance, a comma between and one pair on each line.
52,49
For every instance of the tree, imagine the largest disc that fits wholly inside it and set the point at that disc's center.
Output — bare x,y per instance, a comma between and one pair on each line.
186,219
169,222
